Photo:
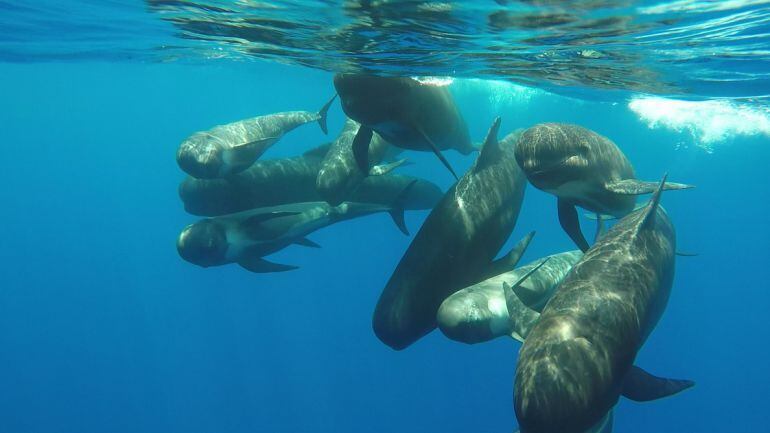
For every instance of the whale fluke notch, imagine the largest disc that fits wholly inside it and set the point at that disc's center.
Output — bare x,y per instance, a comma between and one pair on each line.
490,150
641,386
261,266
522,318
510,260
568,219
322,114
638,187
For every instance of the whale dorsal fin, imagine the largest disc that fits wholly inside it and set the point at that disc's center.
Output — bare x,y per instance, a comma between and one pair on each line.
652,207
521,317
490,150
637,187
640,385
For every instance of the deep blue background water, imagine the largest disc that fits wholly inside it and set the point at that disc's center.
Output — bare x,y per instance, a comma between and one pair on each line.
103,328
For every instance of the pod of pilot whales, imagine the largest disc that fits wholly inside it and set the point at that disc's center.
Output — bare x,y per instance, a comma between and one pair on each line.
581,315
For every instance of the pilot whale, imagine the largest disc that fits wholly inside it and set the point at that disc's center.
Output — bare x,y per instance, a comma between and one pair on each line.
581,168
478,313
340,175
456,244
228,149
246,237
577,357
405,112
274,182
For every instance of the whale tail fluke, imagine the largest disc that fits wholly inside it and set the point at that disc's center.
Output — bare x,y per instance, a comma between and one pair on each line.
397,208
322,114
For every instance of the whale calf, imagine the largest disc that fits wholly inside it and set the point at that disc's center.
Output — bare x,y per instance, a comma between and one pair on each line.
478,313
246,237
577,359
405,112
228,149
581,168
456,244
340,175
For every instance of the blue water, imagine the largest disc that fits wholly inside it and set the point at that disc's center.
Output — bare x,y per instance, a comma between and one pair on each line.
103,328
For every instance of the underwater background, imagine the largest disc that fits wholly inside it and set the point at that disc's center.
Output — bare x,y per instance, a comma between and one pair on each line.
104,328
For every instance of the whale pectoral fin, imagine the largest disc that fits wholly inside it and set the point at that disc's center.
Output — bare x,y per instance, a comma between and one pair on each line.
361,148
305,242
521,317
261,266
568,218
438,153
599,227
508,261
383,169
640,385
637,187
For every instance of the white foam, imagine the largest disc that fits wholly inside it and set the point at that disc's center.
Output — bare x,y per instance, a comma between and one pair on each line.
502,94
434,81
709,122
699,6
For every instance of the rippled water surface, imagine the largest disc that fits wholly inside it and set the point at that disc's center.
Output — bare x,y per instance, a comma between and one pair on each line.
683,48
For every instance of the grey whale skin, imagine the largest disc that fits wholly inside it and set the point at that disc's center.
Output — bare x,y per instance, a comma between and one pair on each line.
245,237
405,112
478,313
293,180
455,246
228,149
581,168
578,358
339,174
